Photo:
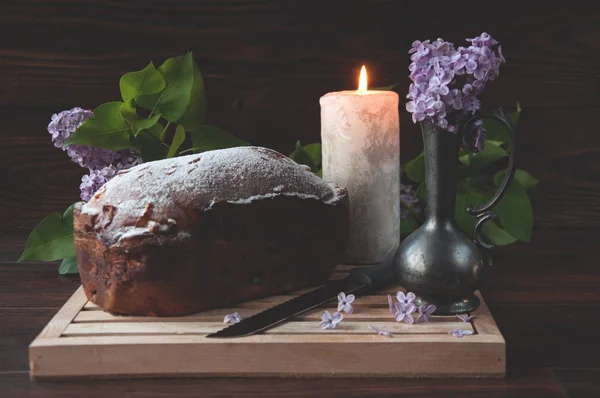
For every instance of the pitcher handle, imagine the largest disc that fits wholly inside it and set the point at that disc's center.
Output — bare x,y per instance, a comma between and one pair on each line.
483,212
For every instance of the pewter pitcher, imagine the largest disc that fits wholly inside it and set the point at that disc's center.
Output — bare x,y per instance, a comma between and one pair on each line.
439,262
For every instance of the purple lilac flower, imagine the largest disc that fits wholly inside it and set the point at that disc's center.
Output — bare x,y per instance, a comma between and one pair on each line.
409,201
345,302
63,124
460,332
92,182
329,321
381,332
405,299
391,305
446,81
403,312
465,317
102,163
232,318
425,313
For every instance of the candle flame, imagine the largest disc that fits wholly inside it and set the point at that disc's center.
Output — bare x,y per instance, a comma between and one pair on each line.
362,81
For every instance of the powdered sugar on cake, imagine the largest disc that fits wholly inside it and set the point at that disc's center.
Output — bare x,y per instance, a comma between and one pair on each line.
150,198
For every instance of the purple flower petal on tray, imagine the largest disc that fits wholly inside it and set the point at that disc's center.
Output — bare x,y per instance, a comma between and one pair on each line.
465,317
404,313
381,332
405,298
391,305
345,302
460,332
232,318
425,313
329,321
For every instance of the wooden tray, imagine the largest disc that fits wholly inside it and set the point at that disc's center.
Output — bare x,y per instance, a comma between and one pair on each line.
84,341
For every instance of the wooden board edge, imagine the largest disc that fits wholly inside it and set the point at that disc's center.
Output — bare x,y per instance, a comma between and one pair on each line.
267,360
64,316
484,322
59,322
281,339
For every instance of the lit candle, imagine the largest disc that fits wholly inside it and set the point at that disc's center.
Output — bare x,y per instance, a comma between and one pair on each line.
360,132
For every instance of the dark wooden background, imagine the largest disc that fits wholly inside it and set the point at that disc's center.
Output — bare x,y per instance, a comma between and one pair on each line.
266,63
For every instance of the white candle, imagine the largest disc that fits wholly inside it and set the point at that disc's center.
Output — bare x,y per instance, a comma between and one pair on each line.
360,132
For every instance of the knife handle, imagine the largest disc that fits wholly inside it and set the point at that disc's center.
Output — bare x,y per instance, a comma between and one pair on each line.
376,276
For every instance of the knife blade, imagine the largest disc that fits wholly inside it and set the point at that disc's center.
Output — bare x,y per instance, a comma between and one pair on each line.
360,281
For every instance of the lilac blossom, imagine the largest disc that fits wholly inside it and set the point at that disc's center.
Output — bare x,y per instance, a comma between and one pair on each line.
465,317
329,321
404,312
446,81
232,318
92,182
409,201
381,332
101,163
460,332
63,124
405,299
425,312
345,302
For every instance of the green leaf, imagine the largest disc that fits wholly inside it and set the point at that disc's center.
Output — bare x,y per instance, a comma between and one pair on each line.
172,102
478,161
408,224
309,155
150,146
156,130
465,220
385,88
497,143
495,235
68,266
315,152
415,168
209,137
52,239
193,117
515,213
422,191
144,82
129,114
107,129
178,139
490,231
526,180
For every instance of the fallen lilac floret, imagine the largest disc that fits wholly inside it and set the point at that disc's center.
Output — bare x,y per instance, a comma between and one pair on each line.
391,305
405,299
403,313
329,321
460,332
232,318
425,312
345,303
465,317
381,332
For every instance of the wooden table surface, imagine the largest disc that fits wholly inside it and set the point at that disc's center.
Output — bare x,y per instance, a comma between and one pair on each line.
544,297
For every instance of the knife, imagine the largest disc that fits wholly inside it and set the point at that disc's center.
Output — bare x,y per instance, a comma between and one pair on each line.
360,281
